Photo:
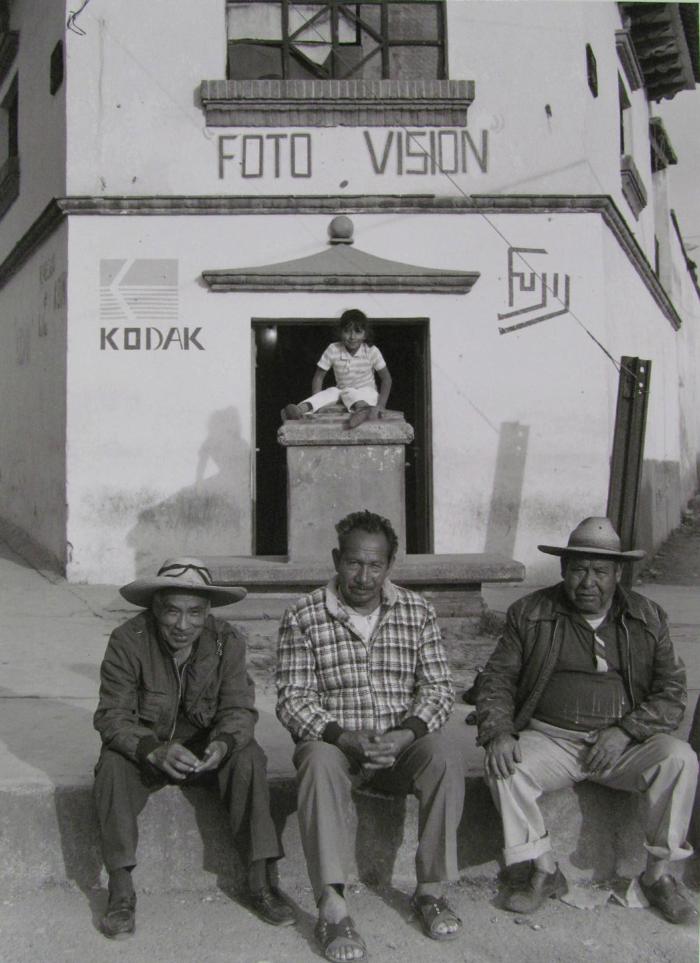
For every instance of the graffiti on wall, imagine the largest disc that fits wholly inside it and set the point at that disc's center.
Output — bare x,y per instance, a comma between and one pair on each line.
531,292
400,152
139,300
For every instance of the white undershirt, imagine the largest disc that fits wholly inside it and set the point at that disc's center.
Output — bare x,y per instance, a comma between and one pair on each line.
364,625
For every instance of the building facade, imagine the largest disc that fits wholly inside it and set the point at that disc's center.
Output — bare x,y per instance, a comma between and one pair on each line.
191,195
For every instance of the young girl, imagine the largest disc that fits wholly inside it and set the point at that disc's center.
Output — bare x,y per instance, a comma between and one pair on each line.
354,362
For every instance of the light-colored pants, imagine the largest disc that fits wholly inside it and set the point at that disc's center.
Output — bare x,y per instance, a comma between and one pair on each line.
349,397
663,770
432,768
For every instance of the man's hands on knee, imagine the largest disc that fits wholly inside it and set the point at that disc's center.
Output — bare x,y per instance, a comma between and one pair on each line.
373,750
607,748
175,760
502,753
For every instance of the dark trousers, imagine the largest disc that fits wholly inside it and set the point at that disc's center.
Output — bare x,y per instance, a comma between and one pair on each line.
122,788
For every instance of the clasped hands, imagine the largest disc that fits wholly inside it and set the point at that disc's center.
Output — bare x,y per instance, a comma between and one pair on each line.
606,746
178,762
374,750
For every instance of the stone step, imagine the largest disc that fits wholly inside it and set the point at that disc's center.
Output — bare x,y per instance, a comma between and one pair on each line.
49,836
49,833
452,583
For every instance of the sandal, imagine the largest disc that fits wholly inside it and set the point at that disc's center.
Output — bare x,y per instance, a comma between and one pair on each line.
431,910
343,933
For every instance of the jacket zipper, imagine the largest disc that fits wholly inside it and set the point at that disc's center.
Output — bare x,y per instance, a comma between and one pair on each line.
179,697
629,661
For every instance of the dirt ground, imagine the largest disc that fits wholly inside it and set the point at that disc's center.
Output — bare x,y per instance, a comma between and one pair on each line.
58,925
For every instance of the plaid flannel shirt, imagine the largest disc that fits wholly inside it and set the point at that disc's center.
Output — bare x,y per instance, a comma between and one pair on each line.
326,673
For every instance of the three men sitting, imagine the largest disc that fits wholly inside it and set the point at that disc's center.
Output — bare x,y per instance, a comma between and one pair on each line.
583,684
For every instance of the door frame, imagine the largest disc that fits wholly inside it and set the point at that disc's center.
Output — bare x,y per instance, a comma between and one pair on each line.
426,428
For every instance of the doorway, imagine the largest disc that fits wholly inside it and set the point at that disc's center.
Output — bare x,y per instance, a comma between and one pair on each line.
285,352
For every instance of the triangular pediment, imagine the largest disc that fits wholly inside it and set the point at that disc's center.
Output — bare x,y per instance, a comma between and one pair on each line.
341,267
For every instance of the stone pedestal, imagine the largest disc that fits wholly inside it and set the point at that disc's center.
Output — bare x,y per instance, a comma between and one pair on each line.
333,470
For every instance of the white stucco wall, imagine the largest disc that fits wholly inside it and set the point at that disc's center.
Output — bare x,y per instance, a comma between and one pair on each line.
41,124
32,397
136,127
158,454
137,488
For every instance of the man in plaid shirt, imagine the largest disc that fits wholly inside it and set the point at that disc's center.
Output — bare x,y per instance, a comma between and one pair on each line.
365,690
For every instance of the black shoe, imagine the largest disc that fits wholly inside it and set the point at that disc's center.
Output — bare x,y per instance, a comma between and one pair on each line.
666,896
271,906
119,921
539,887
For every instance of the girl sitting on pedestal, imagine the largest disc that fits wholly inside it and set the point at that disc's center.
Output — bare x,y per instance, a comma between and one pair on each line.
354,360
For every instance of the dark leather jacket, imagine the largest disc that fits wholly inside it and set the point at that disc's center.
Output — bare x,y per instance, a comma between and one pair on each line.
140,688
512,682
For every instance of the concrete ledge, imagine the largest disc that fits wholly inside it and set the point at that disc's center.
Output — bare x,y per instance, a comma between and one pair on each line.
451,582
49,835
274,573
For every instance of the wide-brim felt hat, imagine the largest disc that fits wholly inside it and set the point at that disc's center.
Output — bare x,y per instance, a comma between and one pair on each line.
594,536
185,574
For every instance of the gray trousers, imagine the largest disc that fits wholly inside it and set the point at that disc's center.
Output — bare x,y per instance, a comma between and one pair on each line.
663,770
122,789
432,768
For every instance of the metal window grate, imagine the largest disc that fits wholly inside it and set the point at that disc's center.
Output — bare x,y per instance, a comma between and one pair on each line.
330,40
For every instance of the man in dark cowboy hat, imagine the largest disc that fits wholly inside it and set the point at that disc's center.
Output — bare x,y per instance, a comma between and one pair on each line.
584,684
176,705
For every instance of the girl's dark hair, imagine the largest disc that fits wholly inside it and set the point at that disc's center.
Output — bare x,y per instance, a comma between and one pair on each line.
354,318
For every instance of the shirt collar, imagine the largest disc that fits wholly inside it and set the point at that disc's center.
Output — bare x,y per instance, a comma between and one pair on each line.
338,609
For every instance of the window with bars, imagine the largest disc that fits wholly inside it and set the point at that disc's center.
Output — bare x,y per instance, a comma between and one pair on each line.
328,39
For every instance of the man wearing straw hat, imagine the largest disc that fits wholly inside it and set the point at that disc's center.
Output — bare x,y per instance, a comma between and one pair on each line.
177,706
584,684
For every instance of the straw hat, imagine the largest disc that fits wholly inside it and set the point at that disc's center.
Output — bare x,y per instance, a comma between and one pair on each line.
183,574
594,536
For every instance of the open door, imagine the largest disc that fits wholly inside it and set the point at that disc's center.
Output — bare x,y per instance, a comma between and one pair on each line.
285,353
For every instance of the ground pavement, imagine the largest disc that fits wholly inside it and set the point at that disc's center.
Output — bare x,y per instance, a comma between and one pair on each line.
52,638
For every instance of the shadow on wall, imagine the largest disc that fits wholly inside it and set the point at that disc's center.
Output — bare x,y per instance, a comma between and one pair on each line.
506,497
660,503
205,518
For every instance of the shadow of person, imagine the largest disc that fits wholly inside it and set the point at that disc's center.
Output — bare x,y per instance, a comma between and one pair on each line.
610,839
381,817
55,737
220,855
207,517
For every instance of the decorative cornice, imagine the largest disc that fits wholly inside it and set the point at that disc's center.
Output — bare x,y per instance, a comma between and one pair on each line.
9,45
662,42
689,263
342,268
628,59
329,103
632,185
42,228
601,204
662,152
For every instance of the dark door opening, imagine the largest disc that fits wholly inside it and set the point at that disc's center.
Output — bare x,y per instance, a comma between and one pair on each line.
285,354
